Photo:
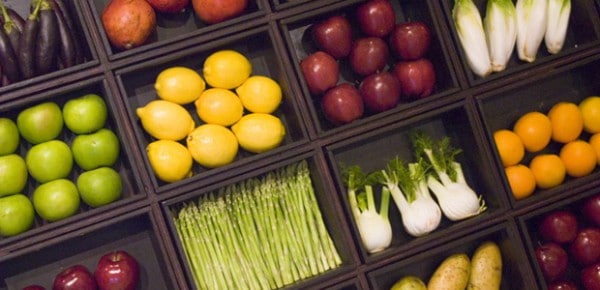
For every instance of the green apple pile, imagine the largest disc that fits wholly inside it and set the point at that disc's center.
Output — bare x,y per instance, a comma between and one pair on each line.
48,164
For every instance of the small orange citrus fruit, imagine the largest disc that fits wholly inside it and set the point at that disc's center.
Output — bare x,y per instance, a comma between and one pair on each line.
509,145
590,110
595,142
548,169
521,180
535,131
579,158
567,122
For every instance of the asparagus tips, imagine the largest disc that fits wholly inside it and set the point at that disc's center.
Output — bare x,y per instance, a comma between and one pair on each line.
500,26
531,27
471,34
559,12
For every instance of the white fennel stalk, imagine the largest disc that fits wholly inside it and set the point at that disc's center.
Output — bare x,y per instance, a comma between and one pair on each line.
500,26
531,27
559,12
471,34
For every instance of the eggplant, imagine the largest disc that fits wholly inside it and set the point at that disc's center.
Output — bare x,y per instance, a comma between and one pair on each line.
12,24
8,59
27,43
61,6
66,45
47,40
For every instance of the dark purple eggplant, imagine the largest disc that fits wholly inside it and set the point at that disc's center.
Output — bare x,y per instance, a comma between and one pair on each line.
66,45
47,42
8,59
27,43
12,26
72,27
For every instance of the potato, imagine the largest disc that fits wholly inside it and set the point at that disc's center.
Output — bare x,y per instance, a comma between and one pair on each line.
451,274
486,267
409,283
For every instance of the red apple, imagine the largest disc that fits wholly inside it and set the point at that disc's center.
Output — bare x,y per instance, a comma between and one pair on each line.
76,277
368,55
562,285
321,72
169,6
215,11
559,226
342,104
376,17
591,209
417,77
117,270
590,277
333,35
380,92
34,287
585,248
553,260
410,40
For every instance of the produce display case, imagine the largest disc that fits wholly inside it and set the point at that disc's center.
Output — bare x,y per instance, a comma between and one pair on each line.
274,36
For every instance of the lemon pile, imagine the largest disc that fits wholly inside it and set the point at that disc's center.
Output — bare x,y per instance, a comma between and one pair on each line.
234,109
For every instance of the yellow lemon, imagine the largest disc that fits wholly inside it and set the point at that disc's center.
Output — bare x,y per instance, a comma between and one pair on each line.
179,84
165,120
219,106
259,132
590,110
260,94
170,160
212,145
226,69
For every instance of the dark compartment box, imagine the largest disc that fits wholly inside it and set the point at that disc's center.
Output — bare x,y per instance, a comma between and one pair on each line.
373,150
500,110
137,85
327,202
125,165
134,232
515,272
176,28
530,225
296,31
583,32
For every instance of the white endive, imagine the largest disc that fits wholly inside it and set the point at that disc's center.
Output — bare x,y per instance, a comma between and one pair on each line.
531,27
469,27
559,12
500,26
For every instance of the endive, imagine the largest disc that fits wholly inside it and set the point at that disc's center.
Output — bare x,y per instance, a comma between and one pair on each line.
559,12
531,27
500,25
469,26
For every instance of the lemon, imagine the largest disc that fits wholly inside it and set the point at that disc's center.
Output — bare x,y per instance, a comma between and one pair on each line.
260,94
179,84
212,145
219,106
259,132
165,120
170,160
226,69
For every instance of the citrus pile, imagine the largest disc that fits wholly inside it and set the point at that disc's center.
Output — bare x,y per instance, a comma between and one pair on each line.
575,128
234,108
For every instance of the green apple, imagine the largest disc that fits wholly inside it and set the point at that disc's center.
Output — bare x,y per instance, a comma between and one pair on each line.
16,214
56,199
9,136
100,186
13,174
40,123
85,114
49,161
97,149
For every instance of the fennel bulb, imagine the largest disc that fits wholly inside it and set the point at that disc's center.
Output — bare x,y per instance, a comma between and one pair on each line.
374,228
531,27
559,12
500,26
471,34
456,198
420,213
